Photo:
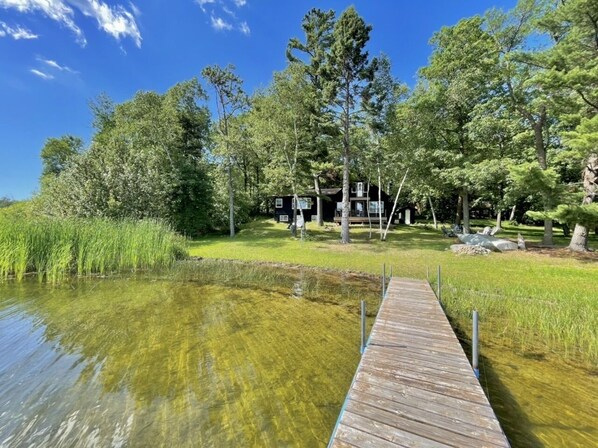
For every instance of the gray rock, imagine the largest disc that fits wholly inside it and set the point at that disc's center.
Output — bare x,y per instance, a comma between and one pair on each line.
521,242
466,249
486,231
489,242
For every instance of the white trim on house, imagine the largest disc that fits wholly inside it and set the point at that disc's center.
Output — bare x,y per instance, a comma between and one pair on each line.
278,202
374,207
304,203
283,218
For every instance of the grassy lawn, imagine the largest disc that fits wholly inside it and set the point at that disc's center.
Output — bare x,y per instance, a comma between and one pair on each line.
537,300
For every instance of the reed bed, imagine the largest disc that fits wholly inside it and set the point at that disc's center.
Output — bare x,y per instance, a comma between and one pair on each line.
53,249
567,327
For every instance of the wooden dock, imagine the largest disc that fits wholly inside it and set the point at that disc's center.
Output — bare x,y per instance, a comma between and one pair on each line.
414,386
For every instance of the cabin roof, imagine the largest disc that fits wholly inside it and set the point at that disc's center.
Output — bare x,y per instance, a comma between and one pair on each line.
324,192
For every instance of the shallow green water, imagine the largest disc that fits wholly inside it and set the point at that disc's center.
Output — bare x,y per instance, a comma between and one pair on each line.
142,362
217,354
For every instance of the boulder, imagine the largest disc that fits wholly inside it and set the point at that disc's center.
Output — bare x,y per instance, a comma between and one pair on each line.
489,242
466,249
486,231
521,242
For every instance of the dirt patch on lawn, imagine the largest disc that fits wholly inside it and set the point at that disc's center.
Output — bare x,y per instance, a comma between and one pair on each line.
562,252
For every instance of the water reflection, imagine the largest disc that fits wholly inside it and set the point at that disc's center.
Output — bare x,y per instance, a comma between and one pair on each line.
144,363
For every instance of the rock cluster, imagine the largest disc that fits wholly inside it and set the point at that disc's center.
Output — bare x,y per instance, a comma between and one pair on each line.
466,249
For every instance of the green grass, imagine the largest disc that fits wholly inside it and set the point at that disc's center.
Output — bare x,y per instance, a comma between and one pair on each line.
534,300
56,248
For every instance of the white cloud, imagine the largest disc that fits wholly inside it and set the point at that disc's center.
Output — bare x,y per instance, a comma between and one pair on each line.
217,8
229,12
54,9
136,11
116,20
57,66
17,32
219,24
244,28
41,74
202,3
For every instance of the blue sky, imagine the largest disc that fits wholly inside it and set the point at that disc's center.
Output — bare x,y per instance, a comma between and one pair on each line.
57,55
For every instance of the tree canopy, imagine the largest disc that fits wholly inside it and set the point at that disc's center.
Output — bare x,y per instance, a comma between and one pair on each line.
503,118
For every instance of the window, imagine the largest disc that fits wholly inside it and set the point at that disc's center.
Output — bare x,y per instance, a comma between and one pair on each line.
374,207
304,203
359,189
283,218
278,203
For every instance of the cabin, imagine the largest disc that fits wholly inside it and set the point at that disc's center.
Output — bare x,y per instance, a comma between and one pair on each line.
363,199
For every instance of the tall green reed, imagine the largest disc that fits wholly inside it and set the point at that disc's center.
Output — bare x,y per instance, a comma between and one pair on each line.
56,248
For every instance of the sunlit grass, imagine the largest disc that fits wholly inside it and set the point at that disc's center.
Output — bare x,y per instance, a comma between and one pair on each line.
533,300
55,248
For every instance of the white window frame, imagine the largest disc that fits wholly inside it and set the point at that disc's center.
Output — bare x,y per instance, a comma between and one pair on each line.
305,203
283,218
374,207
359,190
278,202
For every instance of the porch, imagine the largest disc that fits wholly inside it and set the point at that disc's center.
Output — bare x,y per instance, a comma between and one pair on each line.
362,219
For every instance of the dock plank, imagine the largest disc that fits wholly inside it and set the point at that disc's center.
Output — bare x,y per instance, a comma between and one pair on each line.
414,386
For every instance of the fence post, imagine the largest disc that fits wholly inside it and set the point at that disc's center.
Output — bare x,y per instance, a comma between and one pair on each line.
428,273
390,276
475,346
363,342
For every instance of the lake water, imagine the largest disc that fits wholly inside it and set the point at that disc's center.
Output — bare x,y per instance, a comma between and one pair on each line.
142,362
221,356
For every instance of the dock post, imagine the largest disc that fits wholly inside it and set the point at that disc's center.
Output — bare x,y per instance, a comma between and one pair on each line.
438,284
428,273
363,341
390,276
475,346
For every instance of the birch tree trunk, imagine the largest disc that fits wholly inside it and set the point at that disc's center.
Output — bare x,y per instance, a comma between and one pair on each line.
499,219
294,226
512,215
579,240
297,204
394,206
433,213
